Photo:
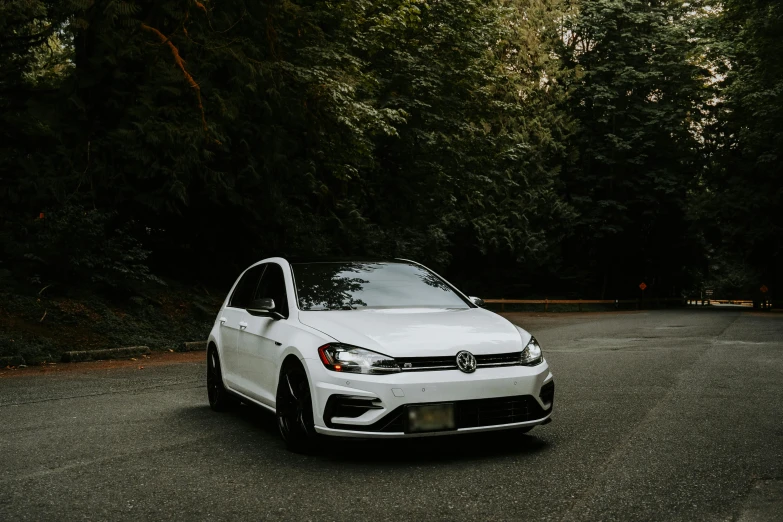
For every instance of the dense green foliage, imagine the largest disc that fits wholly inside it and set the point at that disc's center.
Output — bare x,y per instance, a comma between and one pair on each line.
741,208
521,146
636,98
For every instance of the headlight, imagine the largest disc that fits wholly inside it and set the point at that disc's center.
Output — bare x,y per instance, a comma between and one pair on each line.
352,359
531,355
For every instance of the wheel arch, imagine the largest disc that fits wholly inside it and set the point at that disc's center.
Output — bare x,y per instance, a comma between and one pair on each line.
212,341
291,358
212,344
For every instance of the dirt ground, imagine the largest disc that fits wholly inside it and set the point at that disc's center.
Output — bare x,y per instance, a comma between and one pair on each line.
141,362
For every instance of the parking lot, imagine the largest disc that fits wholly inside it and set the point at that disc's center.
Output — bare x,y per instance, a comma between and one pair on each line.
659,415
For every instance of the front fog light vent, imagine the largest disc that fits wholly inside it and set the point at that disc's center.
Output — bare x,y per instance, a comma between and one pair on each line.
548,394
349,407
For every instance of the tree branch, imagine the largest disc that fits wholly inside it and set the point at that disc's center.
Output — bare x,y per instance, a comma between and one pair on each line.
181,64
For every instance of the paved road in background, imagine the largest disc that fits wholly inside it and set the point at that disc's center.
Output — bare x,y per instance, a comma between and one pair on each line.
663,415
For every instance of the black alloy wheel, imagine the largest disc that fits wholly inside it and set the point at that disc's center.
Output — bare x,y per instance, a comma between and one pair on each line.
295,410
219,399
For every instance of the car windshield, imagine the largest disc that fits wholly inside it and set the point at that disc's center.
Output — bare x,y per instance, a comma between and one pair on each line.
352,285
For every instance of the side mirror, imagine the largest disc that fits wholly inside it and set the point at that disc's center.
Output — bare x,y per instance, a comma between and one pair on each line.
261,306
477,301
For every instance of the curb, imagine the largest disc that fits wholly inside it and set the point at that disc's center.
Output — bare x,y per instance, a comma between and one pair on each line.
195,346
11,360
110,353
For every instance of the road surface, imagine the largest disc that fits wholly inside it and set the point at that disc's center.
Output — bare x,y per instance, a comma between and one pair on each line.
660,415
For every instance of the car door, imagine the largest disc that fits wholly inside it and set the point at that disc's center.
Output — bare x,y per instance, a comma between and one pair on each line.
262,342
233,319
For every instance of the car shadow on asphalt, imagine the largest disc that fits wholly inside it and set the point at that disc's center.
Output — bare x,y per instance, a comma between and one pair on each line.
260,423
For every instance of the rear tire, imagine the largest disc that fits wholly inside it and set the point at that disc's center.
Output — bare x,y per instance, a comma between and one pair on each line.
219,398
294,407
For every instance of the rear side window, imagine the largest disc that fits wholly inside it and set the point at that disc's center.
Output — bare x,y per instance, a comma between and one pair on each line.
272,285
246,288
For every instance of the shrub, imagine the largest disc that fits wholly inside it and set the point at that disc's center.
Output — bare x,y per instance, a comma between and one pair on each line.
75,244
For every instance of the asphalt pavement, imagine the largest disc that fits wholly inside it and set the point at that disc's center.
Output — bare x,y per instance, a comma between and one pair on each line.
659,415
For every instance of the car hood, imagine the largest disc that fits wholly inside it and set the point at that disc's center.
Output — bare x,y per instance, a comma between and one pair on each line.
418,332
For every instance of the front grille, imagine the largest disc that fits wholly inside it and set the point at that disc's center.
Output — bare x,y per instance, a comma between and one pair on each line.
396,423
500,359
412,364
449,362
468,414
492,412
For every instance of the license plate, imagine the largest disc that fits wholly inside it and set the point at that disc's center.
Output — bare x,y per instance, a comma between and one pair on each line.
431,417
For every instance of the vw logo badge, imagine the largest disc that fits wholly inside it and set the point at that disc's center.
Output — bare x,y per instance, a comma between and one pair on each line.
466,362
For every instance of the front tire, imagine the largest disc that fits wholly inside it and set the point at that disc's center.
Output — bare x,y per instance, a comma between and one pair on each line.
294,407
219,398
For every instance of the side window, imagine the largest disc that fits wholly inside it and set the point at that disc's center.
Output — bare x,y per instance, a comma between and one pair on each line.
273,285
246,287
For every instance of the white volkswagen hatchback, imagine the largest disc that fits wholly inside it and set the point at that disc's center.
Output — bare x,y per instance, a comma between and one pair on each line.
381,348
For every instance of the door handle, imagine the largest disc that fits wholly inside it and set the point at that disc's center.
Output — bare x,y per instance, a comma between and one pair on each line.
242,325
222,320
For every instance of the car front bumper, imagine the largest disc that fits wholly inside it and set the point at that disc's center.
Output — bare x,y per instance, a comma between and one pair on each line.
489,399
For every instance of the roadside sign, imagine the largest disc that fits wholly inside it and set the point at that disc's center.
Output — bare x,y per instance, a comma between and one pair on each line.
708,291
764,289
642,286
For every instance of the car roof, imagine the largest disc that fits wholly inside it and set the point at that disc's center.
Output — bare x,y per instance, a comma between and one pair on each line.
357,259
